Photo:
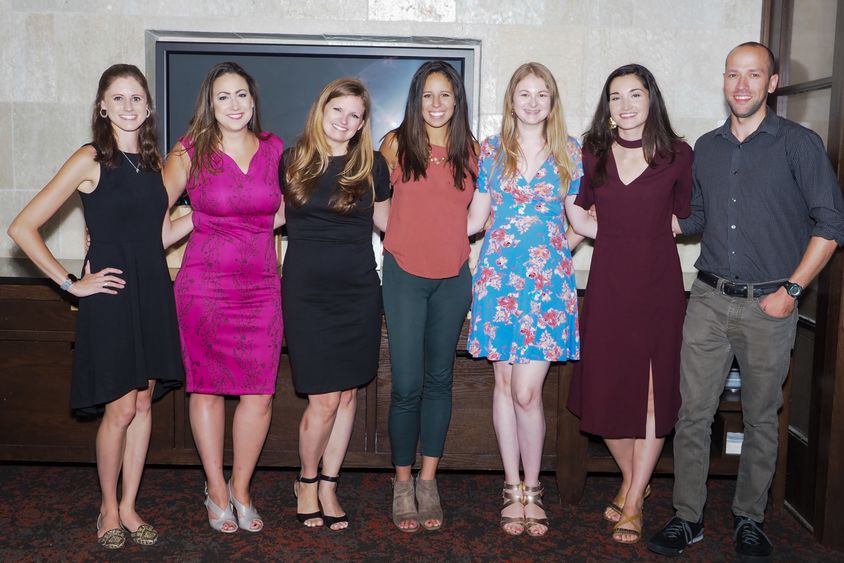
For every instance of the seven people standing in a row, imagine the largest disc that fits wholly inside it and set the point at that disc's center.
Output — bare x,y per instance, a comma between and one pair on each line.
759,188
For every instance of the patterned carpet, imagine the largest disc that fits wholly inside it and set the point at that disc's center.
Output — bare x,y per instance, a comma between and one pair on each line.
47,513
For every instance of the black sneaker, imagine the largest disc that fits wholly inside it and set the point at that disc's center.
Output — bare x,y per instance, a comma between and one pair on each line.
751,542
676,536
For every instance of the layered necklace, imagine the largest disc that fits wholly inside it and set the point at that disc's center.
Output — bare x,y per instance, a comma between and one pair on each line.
129,160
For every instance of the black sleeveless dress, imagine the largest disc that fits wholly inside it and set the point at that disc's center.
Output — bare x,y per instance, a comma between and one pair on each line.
330,287
124,340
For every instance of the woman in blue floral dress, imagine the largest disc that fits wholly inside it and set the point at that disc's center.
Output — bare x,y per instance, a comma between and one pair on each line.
524,309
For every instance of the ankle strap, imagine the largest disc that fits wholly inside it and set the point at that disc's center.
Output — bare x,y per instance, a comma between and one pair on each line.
327,478
307,480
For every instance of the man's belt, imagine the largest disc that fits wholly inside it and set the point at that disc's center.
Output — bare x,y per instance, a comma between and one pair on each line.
738,289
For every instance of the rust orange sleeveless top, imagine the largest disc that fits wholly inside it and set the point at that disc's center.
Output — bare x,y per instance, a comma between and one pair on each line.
426,231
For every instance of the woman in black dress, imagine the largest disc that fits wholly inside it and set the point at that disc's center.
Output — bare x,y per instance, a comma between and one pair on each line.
335,187
637,173
127,340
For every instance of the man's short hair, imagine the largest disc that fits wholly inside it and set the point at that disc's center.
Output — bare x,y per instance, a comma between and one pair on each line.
772,63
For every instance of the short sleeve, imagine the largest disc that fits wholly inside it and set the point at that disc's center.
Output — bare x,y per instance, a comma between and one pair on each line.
586,194
486,162
683,185
577,157
381,177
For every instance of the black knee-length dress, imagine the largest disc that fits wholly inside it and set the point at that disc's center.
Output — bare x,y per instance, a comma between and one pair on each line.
330,286
124,340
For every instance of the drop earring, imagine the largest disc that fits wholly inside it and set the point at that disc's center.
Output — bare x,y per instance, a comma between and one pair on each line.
613,124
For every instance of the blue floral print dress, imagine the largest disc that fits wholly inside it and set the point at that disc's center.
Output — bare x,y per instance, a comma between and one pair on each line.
524,298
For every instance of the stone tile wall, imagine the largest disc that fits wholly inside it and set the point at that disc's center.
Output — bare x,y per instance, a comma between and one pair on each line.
53,52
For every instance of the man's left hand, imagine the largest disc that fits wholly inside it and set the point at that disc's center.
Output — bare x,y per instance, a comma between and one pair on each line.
778,304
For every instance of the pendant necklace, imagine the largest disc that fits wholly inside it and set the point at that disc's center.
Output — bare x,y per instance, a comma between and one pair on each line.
137,168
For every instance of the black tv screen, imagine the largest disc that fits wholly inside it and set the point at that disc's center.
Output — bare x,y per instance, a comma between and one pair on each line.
291,72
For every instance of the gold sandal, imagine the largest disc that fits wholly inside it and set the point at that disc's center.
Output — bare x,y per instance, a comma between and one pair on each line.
512,494
533,495
617,506
634,529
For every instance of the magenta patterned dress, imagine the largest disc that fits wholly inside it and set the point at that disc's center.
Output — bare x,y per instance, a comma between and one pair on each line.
228,292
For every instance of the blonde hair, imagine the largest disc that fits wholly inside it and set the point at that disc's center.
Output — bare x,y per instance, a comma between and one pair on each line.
554,130
310,156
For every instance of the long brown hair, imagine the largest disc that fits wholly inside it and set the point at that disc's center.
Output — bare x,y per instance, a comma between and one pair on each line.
204,131
658,137
102,131
309,158
554,129
412,137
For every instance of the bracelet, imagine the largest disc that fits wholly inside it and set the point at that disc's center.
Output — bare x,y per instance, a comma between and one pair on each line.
69,281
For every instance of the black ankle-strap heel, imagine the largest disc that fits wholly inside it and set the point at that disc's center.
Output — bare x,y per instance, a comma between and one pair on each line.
331,520
301,516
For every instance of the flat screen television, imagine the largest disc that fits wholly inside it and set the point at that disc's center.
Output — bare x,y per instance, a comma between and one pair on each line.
292,70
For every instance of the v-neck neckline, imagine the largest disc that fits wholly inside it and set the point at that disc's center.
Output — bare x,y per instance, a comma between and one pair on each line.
618,173
249,164
529,182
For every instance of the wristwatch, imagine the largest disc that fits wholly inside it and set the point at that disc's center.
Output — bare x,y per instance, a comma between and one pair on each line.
70,279
794,290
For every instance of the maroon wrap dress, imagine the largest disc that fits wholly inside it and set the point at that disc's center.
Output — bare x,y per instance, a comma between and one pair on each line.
632,318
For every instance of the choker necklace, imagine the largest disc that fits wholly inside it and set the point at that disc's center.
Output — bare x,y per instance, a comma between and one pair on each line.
637,144
129,160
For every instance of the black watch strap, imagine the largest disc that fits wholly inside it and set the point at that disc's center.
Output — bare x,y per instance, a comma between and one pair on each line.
794,290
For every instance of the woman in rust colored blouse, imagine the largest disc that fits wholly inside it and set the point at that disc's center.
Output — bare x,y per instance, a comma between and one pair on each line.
427,284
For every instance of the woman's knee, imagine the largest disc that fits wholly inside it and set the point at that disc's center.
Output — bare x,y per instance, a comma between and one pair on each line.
120,413
347,399
406,389
258,404
325,405
526,398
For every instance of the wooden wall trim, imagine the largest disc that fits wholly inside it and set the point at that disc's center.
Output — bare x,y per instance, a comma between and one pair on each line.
827,428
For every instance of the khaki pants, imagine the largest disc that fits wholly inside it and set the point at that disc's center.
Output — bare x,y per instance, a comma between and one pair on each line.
717,327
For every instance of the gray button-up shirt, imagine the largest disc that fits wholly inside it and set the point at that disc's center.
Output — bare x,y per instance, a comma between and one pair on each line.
758,202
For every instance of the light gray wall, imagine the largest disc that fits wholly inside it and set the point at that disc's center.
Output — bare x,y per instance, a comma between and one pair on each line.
53,52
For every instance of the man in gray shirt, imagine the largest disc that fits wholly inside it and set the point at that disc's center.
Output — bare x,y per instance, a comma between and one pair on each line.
771,213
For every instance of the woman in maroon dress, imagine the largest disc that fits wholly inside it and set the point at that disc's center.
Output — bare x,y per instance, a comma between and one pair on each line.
626,387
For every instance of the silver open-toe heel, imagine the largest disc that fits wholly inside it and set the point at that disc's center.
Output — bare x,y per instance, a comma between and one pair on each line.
247,517
221,517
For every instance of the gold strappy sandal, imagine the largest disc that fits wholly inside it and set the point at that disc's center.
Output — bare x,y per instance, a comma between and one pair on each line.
617,506
510,495
628,526
533,495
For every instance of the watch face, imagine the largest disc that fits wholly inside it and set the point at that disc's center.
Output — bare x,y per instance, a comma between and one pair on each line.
794,290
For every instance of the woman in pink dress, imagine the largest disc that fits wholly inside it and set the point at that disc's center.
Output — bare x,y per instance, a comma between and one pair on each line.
228,295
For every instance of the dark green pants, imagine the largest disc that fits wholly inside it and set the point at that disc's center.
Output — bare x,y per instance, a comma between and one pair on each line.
424,317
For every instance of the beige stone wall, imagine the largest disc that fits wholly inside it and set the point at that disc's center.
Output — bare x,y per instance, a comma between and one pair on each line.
53,52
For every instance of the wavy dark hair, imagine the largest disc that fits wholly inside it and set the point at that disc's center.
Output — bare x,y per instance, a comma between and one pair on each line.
658,137
204,131
412,138
309,158
102,131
